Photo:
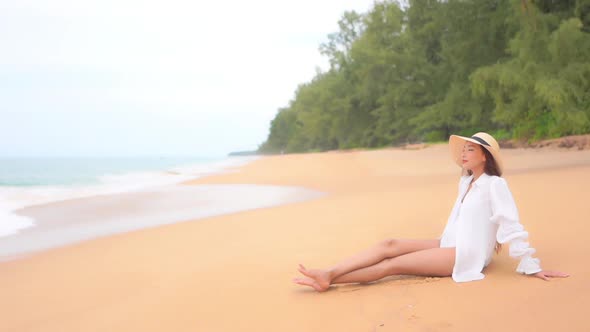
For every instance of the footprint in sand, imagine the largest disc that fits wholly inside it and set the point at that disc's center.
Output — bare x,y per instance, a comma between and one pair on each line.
404,280
418,280
346,289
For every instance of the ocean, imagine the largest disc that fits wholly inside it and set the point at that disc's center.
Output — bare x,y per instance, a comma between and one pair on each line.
51,202
27,182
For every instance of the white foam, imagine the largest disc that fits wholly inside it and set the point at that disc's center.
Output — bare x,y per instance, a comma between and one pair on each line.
14,198
72,222
11,223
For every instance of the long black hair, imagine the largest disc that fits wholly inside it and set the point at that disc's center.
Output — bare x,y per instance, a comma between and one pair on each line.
490,167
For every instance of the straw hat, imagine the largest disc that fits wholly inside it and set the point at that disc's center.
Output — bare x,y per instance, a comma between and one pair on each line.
484,139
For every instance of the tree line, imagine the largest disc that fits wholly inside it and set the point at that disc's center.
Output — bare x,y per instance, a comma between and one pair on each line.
514,68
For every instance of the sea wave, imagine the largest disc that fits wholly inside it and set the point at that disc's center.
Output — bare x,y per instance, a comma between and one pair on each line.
13,198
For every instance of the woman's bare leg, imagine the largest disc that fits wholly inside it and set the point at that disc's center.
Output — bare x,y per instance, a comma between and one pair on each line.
386,249
435,262
428,262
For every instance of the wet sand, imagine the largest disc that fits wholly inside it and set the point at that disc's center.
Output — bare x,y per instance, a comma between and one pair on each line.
233,272
75,220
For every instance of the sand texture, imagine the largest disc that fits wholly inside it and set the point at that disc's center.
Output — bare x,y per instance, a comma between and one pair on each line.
233,272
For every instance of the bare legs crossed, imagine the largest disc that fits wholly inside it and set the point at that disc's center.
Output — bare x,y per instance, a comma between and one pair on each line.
389,257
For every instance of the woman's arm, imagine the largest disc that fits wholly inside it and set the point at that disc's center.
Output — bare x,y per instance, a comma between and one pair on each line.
505,213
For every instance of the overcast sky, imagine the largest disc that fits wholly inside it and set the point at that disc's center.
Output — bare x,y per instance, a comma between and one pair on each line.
137,77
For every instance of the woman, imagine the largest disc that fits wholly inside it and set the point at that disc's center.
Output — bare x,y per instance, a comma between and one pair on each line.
483,218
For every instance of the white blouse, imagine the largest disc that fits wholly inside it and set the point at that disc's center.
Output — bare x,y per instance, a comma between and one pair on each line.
488,213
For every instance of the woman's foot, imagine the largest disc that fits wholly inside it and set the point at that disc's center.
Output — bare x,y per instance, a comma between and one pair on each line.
311,283
318,279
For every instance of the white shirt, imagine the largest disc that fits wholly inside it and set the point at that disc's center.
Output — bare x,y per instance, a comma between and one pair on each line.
488,213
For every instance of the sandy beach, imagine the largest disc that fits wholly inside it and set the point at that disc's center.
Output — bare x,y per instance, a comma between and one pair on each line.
233,272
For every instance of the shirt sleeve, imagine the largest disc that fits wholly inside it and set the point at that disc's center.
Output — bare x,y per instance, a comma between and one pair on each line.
505,213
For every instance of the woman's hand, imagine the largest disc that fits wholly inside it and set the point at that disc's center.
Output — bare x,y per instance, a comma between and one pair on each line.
545,275
498,247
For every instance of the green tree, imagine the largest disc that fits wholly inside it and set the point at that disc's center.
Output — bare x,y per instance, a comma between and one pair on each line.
516,68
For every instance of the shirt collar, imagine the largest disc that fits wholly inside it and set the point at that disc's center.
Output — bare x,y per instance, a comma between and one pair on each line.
481,180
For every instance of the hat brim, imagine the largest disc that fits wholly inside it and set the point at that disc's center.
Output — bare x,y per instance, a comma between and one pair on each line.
456,144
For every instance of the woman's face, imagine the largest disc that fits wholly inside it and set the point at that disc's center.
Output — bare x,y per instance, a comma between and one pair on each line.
473,156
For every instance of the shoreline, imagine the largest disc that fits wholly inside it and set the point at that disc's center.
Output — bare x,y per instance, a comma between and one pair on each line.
14,198
194,275
67,222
